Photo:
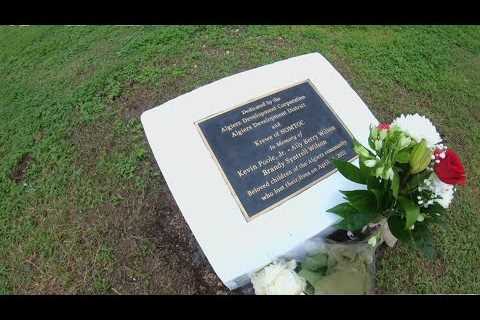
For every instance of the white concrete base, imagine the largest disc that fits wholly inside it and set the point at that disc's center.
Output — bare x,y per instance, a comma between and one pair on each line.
234,247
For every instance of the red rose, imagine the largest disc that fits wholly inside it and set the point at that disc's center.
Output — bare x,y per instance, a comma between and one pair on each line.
383,126
450,169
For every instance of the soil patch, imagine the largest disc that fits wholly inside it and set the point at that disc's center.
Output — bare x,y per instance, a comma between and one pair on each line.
153,249
19,172
136,102
138,98
156,251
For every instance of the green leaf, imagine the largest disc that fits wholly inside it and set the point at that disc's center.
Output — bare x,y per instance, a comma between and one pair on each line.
417,179
358,147
349,171
422,238
311,276
379,195
403,156
395,184
435,214
354,222
364,201
434,208
364,171
352,219
397,228
411,211
342,209
374,183
316,262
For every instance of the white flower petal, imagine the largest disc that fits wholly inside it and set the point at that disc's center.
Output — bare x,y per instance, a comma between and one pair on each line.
278,278
418,127
443,190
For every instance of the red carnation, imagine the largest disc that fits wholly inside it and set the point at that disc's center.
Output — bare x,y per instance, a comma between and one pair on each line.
383,126
450,169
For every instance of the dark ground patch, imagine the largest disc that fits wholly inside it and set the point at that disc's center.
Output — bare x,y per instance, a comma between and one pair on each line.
152,248
138,98
19,172
157,245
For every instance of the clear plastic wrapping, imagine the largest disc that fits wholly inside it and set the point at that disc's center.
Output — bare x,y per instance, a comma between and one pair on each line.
332,267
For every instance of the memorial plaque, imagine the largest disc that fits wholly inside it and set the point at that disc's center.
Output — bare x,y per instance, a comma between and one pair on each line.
259,143
274,147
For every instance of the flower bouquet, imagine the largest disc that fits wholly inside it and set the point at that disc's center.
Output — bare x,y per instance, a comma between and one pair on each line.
410,178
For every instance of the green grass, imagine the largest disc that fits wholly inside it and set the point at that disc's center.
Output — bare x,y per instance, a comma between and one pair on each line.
76,218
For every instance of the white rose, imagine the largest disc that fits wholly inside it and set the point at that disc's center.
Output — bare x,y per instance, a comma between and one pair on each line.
278,278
